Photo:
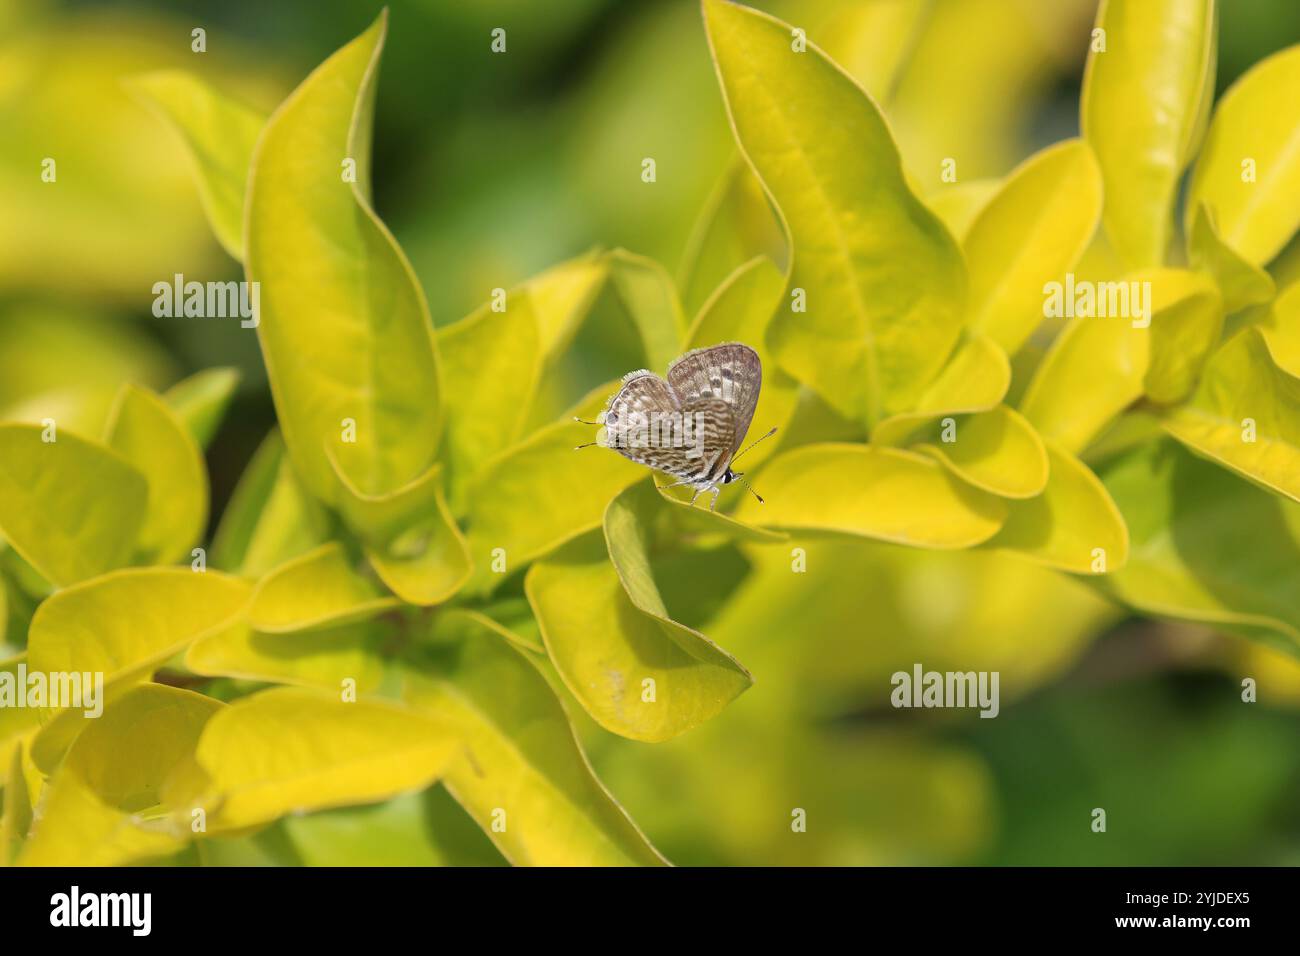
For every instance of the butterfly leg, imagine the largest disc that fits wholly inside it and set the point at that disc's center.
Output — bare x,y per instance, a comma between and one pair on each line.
714,500
698,492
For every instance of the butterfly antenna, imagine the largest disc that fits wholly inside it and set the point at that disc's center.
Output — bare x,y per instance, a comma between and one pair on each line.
751,445
587,445
748,485
583,421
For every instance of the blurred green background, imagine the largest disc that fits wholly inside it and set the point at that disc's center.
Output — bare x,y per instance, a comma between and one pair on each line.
489,169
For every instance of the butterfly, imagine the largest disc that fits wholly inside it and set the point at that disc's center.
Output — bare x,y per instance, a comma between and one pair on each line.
689,425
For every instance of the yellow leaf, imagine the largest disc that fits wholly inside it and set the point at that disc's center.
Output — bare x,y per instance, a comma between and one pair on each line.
144,431
975,379
562,296
1245,415
958,204
479,353
650,299
17,812
16,722
882,280
1241,283
270,517
107,802
313,590
219,135
541,493
321,657
522,761
1207,546
874,492
690,519
736,225
293,749
1281,330
410,537
1032,232
1145,102
122,625
639,673
1186,319
1073,525
345,329
201,400
1093,371
71,508
1257,207
871,41
997,451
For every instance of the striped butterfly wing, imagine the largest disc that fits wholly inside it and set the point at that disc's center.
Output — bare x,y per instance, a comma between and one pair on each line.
630,413
730,372
713,424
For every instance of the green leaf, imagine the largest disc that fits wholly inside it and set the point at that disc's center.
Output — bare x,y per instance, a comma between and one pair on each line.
107,803
735,226
313,590
292,749
270,517
521,756
71,508
1256,210
1241,283
975,379
639,673
219,135
1072,526
1144,106
1281,330
325,657
148,434
478,354
873,492
884,280
997,451
1206,545
1245,415
1032,232
542,493
1186,320
201,400
411,539
344,326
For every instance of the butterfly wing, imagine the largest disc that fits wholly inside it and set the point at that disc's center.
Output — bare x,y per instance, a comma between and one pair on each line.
713,424
730,372
627,417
